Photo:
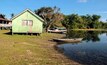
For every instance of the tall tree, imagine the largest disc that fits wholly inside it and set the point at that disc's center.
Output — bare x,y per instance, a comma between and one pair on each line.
50,15
2,16
74,21
12,15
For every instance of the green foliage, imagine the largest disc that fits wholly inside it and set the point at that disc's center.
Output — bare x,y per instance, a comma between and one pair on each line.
2,16
50,15
87,35
12,15
104,25
74,21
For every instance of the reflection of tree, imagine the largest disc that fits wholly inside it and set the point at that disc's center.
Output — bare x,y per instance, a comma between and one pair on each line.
75,34
86,35
92,36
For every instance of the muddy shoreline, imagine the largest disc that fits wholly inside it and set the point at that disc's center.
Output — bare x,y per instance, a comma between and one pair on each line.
59,53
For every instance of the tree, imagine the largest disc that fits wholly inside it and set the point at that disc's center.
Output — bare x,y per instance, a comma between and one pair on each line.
50,15
95,17
66,21
85,23
2,16
96,22
74,21
89,21
12,15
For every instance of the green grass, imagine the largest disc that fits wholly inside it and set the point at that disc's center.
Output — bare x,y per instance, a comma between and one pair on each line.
29,50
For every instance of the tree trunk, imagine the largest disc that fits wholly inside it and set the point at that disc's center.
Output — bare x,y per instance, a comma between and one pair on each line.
47,28
67,32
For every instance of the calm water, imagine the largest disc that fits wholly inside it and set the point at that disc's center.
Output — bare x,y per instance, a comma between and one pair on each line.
91,51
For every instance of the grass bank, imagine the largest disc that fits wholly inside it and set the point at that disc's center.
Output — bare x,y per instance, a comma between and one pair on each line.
90,29
30,50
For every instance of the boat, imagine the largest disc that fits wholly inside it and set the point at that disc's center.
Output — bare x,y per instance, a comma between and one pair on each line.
57,30
68,40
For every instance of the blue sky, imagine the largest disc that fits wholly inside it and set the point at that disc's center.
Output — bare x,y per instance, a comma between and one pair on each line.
81,7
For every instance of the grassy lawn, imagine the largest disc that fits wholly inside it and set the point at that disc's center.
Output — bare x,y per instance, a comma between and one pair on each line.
30,50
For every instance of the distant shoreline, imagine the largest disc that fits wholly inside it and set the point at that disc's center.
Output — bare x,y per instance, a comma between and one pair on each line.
91,29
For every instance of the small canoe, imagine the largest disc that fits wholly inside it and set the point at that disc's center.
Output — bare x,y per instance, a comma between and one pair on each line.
68,40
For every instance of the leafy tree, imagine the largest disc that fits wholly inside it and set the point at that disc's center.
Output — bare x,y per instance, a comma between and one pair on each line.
66,21
96,22
2,16
74,21
12,15
85,23
89,21
104,24
50,16
95,17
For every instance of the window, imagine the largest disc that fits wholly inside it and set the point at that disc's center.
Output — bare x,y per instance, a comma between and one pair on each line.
24,22
27,23
30,23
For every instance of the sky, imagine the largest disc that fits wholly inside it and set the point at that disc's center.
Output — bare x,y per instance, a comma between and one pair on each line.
81,7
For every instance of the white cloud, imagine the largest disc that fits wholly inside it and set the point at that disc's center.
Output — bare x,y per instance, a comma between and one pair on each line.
82,1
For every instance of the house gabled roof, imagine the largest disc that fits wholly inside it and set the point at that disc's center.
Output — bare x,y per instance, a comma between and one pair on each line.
4,19
28,10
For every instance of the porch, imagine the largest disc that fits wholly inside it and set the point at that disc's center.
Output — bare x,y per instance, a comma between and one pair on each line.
5,24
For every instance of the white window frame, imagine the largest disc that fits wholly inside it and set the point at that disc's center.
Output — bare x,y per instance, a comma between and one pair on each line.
27,23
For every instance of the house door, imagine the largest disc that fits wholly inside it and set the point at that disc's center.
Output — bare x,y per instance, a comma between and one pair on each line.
30,24
27,26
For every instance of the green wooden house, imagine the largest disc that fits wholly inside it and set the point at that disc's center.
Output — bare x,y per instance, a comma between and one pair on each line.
27,22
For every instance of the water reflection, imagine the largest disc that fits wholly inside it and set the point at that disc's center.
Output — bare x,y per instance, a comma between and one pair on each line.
87,52
86,35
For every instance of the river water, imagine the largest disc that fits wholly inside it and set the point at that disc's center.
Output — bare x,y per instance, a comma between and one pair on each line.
92,50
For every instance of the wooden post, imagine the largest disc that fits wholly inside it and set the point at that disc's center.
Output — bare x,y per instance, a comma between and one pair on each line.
26,33
39,34
12,33
31,34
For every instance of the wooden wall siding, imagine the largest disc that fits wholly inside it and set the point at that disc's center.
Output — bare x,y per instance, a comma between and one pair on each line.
17,26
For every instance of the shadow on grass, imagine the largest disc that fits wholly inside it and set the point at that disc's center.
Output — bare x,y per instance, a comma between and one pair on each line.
10,33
